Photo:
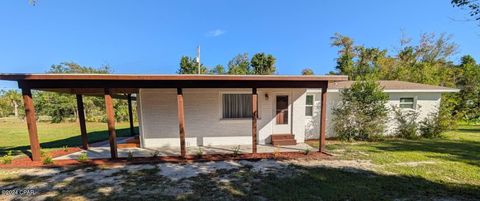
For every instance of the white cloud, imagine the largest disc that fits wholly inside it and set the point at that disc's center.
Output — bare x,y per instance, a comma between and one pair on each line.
216,33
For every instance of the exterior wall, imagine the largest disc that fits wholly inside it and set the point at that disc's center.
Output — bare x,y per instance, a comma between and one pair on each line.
426,102
203,117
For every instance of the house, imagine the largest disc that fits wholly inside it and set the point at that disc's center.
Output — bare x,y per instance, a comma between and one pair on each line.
202,110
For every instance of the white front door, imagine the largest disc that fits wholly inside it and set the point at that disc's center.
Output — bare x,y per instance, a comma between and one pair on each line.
281,114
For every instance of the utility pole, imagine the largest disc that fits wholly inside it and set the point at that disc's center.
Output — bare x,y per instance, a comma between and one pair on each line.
198,59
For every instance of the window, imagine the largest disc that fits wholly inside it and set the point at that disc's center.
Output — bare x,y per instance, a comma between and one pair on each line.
407,103
237,106
309,106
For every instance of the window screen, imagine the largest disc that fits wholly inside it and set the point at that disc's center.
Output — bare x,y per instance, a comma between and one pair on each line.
309,105
237,106
407,103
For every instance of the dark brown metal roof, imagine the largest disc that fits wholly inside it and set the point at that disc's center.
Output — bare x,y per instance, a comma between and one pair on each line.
133,77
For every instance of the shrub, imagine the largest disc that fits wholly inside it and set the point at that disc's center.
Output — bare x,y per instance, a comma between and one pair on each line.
236,150
199,152
47,160
65,148
361,114
155,154
7,158
307,151
407,123
433,126
130,155
83,157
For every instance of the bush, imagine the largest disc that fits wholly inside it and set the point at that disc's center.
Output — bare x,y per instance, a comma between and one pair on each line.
83,157
199,152
361,114
8,158
47,160
236,150
433,126
407,123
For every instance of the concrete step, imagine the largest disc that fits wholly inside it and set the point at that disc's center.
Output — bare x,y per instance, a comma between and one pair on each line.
128,145
282,136
284,142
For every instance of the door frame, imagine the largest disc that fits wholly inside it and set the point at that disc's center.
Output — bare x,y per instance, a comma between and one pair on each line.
281,128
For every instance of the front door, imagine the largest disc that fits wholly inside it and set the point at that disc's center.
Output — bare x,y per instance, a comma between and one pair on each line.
282,115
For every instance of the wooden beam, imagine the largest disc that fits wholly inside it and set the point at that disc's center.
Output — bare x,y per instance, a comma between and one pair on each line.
135,84
181,121
130,114
323,116
112,137
81,121
254,119
31,124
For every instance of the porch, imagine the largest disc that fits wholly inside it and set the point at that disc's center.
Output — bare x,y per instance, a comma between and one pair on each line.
111,86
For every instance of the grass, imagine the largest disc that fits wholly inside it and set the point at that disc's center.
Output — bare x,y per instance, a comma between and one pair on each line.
14,135
446,166
424,169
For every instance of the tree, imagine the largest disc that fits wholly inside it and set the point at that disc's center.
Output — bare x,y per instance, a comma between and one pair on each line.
361,113
469,83
472,5
263,64
218,70
307,71
189,65
72,67
239,65
14,98
346,54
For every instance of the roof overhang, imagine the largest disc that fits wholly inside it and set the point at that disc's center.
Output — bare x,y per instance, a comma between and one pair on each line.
410,90
121,83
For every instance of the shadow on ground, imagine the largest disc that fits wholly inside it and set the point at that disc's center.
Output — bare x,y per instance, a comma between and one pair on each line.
242,183
75,141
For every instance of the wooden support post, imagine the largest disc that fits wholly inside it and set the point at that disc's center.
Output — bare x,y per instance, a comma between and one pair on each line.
181,122
31,124
254,119
112,137
323,115
81,120
130,114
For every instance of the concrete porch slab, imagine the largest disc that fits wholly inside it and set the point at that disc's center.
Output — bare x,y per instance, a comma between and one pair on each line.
104,151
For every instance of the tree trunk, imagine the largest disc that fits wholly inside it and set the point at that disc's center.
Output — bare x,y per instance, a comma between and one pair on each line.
15,108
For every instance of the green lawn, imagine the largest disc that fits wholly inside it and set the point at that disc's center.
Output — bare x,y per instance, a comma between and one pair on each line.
425,169
14,134
421,169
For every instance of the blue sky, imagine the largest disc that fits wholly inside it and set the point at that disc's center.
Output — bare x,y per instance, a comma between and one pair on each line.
150,36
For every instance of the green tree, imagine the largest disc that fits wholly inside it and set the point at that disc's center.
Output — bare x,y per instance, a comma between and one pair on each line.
218,70
14,98
189,65
345,54
307,71
72,67
239,65
361,114
472,5
469,83
263,64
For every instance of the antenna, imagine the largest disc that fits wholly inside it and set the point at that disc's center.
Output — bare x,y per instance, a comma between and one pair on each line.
198,59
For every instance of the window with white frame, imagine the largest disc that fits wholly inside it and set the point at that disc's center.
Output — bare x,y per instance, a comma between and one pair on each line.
309,105
407,103
236,106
